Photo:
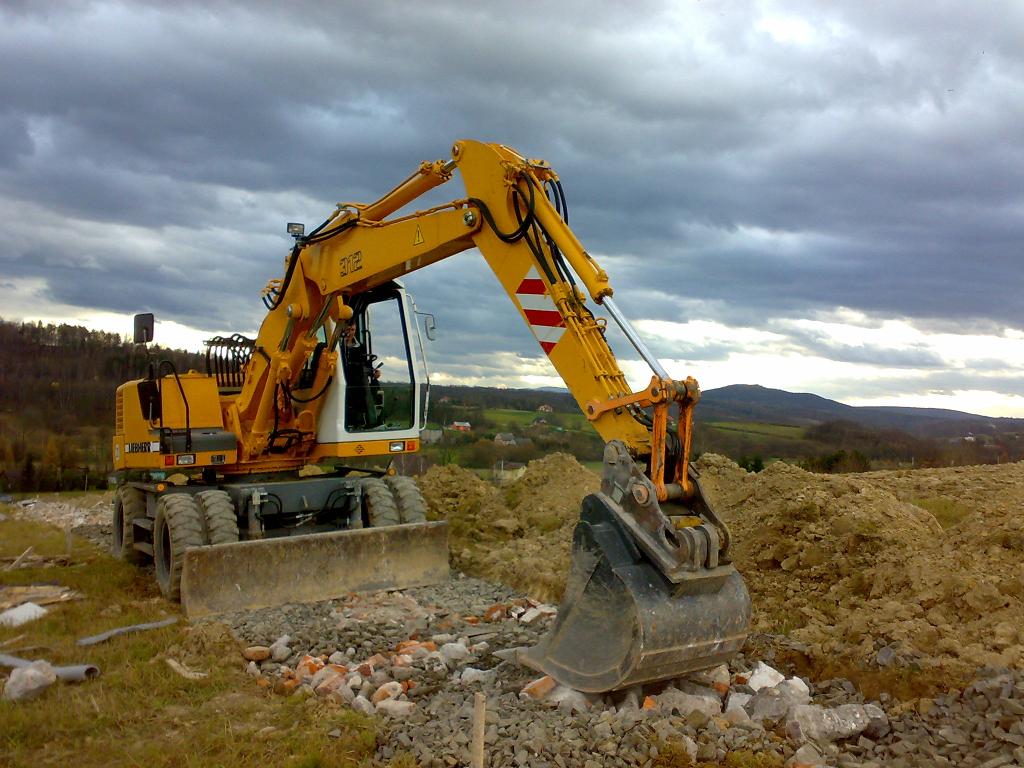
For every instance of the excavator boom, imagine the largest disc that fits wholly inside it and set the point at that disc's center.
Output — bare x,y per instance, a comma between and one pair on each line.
652,593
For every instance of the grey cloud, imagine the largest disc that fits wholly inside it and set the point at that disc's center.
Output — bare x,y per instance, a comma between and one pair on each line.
727,176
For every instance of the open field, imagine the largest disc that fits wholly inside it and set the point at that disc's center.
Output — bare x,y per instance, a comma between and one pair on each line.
845,592
140,711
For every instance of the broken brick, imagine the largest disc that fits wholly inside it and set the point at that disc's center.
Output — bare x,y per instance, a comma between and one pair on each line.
386,691
539,688
496,612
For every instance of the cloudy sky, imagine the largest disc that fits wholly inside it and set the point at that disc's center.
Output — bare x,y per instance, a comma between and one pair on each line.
814,196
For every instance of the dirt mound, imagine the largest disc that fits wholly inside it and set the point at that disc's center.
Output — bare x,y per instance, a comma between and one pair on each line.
857,565
520,535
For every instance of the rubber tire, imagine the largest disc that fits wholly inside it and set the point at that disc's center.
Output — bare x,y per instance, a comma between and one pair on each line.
129,503
221,519
178,527
412,508
379,504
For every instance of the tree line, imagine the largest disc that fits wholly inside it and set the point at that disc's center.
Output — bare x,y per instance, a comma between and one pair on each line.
57,384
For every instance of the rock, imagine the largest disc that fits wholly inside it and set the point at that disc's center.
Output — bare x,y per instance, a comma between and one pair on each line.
878,723
529,615
737,700
885,656
538,689
256,653
454,651
387,691
737,716
338,658
280,652
674,700
811,722
253,669
568,699
472,675
29,682
763,676
772,704
364,705
399,710
807,756
631,698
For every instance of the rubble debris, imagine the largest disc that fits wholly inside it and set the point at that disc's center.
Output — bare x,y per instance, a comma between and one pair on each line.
22,614
29,682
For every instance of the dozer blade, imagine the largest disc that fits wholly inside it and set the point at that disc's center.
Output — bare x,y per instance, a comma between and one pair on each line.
622,622
320,566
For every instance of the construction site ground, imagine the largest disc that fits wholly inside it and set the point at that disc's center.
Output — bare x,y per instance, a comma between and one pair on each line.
903,590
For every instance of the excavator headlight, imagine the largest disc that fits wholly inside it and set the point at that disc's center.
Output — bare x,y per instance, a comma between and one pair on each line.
295,229
397,446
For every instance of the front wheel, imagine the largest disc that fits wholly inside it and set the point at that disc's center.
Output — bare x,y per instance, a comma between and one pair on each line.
177,528
412,508
379,504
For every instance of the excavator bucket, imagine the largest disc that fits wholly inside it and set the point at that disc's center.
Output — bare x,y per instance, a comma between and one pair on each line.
321,566
632,614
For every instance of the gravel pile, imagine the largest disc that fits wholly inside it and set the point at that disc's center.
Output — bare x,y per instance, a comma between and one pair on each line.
417,657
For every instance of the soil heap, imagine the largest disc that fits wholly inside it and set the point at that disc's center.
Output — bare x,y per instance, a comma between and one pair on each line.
519,535
854,567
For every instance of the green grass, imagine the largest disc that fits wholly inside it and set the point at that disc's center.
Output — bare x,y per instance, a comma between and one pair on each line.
946,511
140,712
784,431
506,417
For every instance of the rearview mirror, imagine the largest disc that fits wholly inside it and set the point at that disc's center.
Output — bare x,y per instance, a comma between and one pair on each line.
144,328
430,327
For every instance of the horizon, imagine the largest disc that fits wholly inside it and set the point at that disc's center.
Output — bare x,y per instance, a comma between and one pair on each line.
191,334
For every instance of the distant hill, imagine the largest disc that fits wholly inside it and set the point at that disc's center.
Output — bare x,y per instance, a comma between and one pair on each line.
752,402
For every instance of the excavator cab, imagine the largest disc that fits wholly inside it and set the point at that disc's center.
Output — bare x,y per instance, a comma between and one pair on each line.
382,388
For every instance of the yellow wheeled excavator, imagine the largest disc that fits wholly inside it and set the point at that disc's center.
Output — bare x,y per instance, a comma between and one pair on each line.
337,378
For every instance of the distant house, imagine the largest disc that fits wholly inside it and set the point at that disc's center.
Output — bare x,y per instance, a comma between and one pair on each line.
504,438
445,399
545,408
461,426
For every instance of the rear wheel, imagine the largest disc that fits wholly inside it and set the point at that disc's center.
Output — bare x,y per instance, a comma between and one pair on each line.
408,499
177,528
379,504
129,503
221,520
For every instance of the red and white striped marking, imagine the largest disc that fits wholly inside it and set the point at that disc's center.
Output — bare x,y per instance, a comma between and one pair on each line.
545,321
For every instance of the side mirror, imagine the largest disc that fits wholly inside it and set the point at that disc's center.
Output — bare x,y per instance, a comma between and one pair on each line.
144,328
430,327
